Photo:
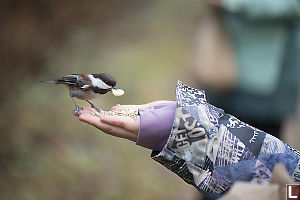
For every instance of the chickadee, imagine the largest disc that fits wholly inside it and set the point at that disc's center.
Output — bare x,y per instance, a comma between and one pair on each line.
88,86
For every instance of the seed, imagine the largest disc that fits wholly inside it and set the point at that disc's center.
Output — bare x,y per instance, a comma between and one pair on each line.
118,92
126,113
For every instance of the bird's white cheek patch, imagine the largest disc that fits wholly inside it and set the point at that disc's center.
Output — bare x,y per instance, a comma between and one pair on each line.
98,82
118,92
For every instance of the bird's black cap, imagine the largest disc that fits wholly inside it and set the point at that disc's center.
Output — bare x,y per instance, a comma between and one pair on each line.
106,78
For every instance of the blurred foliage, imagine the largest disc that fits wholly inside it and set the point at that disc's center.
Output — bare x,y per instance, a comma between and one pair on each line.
45,152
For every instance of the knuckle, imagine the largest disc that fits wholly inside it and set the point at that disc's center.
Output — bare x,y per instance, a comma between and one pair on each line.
109,129
122,124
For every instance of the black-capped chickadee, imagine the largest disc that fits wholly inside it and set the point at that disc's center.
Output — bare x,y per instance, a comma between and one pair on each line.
88,86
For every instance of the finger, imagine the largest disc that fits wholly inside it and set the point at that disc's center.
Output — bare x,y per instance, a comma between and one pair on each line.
88,109
125,107
89,118
143,106
116,131
122,122
135,107
107,128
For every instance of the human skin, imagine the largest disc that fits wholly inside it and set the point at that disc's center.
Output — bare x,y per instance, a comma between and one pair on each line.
118,126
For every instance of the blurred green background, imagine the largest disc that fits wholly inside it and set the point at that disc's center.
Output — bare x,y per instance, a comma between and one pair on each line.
45,152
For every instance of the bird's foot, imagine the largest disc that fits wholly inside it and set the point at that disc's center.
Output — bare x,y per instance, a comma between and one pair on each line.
77,111
96,108
93,106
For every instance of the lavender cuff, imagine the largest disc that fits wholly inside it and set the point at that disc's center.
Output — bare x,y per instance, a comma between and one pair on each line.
155,126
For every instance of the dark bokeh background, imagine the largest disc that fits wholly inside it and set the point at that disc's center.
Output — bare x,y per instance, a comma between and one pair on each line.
45,152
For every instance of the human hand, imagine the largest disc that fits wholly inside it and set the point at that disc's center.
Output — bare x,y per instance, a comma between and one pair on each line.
118,126
150,105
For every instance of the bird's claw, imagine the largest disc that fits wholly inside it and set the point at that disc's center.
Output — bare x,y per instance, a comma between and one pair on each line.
76,111
93,106
96,108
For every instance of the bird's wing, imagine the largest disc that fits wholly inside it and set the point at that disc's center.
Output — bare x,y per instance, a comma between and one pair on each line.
84,82
75,80
86,87
69,79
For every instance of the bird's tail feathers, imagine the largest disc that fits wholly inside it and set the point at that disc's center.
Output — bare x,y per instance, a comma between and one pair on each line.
68,80
50,81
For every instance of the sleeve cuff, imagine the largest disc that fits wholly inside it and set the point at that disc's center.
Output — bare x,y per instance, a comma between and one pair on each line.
155,126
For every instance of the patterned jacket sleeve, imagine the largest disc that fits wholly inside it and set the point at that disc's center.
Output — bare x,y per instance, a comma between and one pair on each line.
210,149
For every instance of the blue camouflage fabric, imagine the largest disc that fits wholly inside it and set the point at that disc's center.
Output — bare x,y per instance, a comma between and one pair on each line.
210,149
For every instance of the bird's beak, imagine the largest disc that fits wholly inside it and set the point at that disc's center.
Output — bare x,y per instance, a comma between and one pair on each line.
113,89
